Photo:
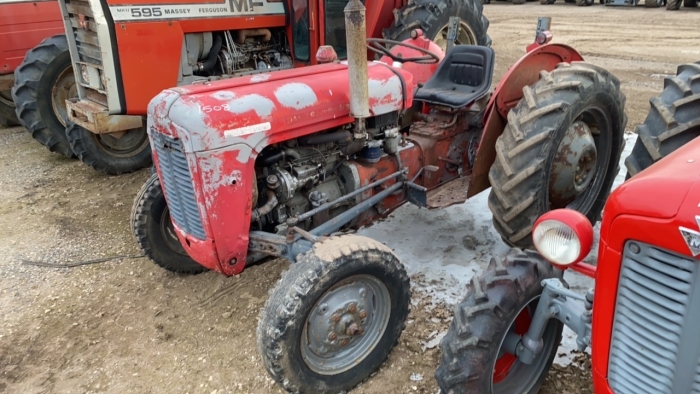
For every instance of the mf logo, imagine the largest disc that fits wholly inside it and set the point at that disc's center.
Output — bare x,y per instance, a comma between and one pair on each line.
244,5
692,237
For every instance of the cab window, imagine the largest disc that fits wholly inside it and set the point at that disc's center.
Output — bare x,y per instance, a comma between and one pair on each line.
300,30
335,26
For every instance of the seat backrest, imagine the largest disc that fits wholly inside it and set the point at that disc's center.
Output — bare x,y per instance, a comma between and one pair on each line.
467,69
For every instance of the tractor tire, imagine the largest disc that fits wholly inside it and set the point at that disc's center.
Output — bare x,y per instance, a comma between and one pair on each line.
110,154
152,228
504,297
690,3
672,121
43,82
536,170
653,3
673,5
8,117
433,17
518,1
326,292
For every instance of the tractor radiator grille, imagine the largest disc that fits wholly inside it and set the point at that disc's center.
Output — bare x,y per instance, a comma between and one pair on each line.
176,181
84,31
655,344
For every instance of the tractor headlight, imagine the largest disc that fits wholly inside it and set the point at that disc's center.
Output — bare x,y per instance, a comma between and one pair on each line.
563,236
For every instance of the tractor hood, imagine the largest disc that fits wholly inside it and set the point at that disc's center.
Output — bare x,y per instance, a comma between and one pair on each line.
661,190
266,108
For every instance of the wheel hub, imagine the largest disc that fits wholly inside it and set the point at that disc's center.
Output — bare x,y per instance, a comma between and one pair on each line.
466,36
574,165
345,325
65,88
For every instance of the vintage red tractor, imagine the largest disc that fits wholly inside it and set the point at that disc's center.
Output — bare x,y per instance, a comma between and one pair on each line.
276,164
36,76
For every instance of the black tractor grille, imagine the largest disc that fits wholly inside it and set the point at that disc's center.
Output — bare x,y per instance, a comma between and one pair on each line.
84,31
176,181
655,345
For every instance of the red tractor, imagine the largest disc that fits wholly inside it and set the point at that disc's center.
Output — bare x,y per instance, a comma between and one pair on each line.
127,51
641,321
36,76
277,164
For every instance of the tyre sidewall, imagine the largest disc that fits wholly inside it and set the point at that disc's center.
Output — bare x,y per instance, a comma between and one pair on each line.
454,8
587,97
58,65
350,267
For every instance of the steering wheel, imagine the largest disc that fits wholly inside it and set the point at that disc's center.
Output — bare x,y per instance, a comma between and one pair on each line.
375,45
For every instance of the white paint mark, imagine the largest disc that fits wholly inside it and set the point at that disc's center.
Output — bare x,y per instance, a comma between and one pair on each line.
330,92
385,95
296,95
252,129
262,105
260,78
224,95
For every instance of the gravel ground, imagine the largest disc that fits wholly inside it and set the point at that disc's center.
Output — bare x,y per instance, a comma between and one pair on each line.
128,326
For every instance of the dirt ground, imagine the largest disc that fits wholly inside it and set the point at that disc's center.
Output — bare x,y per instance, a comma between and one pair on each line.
128,326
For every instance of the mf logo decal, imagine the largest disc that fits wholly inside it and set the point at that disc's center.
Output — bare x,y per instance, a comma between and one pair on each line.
692,237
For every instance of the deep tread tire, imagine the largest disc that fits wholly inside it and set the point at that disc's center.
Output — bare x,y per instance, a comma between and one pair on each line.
294,296
673,5
470,347
652,3
519,176
86,146
672,121
518,1
32,93
146,215
690,3
431,16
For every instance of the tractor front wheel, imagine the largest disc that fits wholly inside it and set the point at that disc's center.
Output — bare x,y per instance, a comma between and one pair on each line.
153,230
334,317
433,18
43,83
498,309
560,149
112,153
673,120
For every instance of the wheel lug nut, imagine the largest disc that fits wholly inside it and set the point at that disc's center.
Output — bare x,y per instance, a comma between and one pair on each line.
344,342
363,314
336,318
352,308
332,336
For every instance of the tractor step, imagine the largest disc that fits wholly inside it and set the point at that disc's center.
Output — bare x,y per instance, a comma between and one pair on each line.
450,193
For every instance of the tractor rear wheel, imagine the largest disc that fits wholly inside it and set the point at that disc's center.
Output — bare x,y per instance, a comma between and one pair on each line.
334,317
43,83
112,153
433,18
8,117
673,120
561,148
499,304
153,230
673,5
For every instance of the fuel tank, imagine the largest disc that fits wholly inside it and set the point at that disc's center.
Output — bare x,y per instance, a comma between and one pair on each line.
268,108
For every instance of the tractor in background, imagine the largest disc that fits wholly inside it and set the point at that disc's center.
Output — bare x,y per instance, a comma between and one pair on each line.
640,321
36,76
125,53
281,164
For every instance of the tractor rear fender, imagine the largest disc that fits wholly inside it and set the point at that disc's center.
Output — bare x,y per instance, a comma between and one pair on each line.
507,94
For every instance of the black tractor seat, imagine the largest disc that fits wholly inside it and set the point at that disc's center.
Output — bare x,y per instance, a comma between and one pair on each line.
463,76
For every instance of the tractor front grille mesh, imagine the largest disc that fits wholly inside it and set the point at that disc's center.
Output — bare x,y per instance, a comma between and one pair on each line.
176,181
84,31
655,318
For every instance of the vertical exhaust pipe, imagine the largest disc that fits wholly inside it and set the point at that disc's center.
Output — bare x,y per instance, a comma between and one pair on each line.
356,40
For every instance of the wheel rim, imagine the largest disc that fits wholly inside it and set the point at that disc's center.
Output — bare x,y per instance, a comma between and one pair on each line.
466,36
63,89
509,374
6,99
123,144
167,231
345,325
578,170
